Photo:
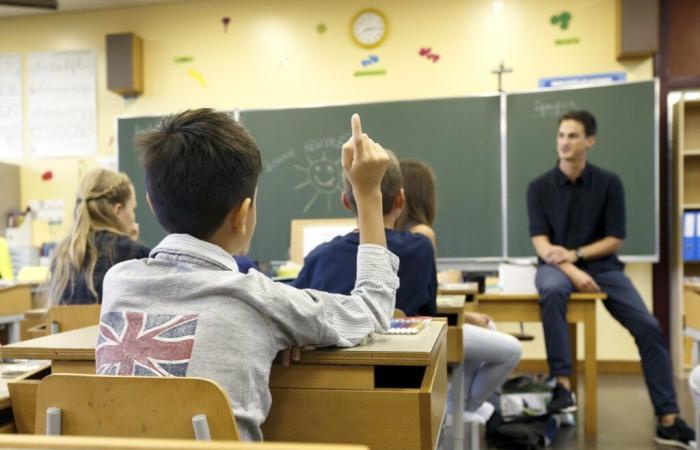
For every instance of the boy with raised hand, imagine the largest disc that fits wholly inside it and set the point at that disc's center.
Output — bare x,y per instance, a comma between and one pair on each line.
187,310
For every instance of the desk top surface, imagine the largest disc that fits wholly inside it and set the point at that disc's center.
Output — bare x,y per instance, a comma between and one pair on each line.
419,349
470,288
693,287
13,285
576,296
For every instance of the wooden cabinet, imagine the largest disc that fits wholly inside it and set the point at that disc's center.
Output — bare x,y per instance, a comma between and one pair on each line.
686,181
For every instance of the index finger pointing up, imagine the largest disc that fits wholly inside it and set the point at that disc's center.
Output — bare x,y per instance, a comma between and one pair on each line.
356,128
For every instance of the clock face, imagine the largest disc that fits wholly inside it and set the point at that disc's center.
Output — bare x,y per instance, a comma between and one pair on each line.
368,28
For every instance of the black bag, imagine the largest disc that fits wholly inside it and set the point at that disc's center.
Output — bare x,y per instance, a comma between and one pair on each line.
524,433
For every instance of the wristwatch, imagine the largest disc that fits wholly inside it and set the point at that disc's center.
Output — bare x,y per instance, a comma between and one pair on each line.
579,254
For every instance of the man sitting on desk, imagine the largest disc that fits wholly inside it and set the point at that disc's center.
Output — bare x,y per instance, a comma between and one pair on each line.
331,266
577,224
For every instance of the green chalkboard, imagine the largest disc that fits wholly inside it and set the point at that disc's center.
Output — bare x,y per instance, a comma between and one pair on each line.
302,177
626,145
130,163
460,139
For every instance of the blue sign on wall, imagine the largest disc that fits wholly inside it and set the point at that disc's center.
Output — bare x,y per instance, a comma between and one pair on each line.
594,78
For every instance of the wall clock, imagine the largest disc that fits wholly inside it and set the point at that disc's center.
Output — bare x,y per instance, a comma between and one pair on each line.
368,28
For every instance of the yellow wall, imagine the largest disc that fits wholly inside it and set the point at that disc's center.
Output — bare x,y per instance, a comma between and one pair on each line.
272,55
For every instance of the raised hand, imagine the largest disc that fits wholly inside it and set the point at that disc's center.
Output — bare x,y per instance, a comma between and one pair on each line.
364,161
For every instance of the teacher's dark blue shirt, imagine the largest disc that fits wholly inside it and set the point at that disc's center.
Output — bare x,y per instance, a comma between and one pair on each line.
578,213
332,267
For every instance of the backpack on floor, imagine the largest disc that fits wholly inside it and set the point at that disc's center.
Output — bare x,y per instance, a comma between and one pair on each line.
521,421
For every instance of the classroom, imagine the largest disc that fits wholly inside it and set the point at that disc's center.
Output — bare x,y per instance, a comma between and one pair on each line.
473,88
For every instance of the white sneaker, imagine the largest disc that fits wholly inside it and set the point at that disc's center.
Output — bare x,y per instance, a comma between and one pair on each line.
481,415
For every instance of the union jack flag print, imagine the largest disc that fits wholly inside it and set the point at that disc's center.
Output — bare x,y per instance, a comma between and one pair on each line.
135,343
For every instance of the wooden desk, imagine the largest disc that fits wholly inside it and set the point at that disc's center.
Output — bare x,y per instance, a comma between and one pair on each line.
388,394
14,301
454,313
581,309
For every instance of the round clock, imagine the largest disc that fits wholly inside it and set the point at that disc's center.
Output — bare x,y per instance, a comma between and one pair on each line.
368,28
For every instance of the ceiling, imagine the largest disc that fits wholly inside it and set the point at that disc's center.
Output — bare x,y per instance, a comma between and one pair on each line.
76,5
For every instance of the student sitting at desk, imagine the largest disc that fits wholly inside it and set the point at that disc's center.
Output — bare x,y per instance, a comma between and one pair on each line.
332,265
489,356
103,234
187,311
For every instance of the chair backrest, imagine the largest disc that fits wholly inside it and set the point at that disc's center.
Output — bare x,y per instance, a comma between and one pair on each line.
62,318
116,406
72,317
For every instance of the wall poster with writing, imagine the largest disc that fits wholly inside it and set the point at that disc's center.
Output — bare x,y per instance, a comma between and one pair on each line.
11,128
62,103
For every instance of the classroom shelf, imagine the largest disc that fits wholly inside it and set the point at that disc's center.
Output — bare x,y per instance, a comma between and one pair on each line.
686,143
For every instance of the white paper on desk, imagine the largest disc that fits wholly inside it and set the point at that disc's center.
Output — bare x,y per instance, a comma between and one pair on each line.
517,278
315,236
446,287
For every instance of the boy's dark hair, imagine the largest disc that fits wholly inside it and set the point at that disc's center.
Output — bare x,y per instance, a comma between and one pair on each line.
199,165
584,118
392,183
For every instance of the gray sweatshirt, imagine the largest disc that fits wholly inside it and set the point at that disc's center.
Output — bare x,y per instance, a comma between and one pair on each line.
187,311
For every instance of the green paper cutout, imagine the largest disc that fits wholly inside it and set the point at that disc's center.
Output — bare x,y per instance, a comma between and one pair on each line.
183,59
364,73
562,20
567,41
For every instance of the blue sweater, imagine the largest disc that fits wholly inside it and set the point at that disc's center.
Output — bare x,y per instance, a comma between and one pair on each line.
331,267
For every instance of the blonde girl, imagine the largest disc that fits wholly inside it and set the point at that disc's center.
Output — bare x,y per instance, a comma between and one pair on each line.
103,234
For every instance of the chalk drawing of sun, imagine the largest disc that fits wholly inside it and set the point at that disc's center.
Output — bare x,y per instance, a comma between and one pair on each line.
324,176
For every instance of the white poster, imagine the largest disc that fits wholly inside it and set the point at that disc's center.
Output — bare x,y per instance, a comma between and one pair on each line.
62,103
11,125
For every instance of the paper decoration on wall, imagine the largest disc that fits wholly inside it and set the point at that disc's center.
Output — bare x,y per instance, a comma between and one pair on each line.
47,176
62,103
197,76
11,124
51,211
183,59
321,28
225,21
372,59
567,41
561,20
427,53
364,73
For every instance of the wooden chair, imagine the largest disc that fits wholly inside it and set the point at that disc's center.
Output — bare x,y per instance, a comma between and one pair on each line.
18,441
116,406
62,318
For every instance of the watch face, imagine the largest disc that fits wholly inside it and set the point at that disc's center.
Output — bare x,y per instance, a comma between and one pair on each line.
369,28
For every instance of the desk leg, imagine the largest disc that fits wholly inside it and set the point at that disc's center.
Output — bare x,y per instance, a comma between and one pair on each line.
458,406
573,347
590,364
